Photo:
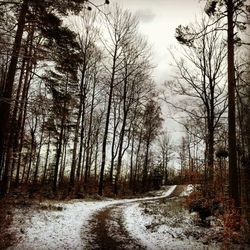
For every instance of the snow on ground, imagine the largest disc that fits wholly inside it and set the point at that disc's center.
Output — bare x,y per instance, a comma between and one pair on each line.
62,226
165,226
187,191
138,224
56,229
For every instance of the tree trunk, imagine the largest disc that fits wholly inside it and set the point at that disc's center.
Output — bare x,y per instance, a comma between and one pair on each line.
131,163
105,136
20,129
63,161
80,154
5,106
74,158
120,153
58,156
38,157
114,149
210,152
145,167
137,161
60,141
96,152
233,173
27,63
31,155
46,161
88,156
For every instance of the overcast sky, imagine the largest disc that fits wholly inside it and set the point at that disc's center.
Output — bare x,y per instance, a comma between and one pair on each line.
158,20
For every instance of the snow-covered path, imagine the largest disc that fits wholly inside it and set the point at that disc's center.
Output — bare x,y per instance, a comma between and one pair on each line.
45,229
66,225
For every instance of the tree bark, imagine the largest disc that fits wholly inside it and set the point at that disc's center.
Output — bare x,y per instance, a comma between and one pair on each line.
88,151
122,134
38,156
233,173
46,159
32,148
145,167
74,158
6,104
105,137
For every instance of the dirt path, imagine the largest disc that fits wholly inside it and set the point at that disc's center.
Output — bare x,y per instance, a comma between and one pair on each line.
108,230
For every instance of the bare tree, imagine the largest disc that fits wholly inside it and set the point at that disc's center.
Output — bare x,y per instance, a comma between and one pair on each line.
166,149
152,123
121,26
202,71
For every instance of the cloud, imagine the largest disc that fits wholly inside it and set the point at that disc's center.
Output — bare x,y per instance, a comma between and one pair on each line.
145,15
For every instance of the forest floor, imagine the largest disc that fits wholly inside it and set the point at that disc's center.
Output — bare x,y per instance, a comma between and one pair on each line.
158,221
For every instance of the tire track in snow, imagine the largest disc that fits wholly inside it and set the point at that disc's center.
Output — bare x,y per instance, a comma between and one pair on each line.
109,232
107,226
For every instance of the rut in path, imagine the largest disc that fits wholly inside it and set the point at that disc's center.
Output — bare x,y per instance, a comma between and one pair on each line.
109,232
107,228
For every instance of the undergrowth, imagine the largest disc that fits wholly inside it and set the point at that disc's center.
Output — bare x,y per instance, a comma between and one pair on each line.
221,209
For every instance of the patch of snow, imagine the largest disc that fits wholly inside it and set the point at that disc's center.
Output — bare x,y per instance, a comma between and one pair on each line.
138,225
187,191
156,228
56,229
165,194
66,229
